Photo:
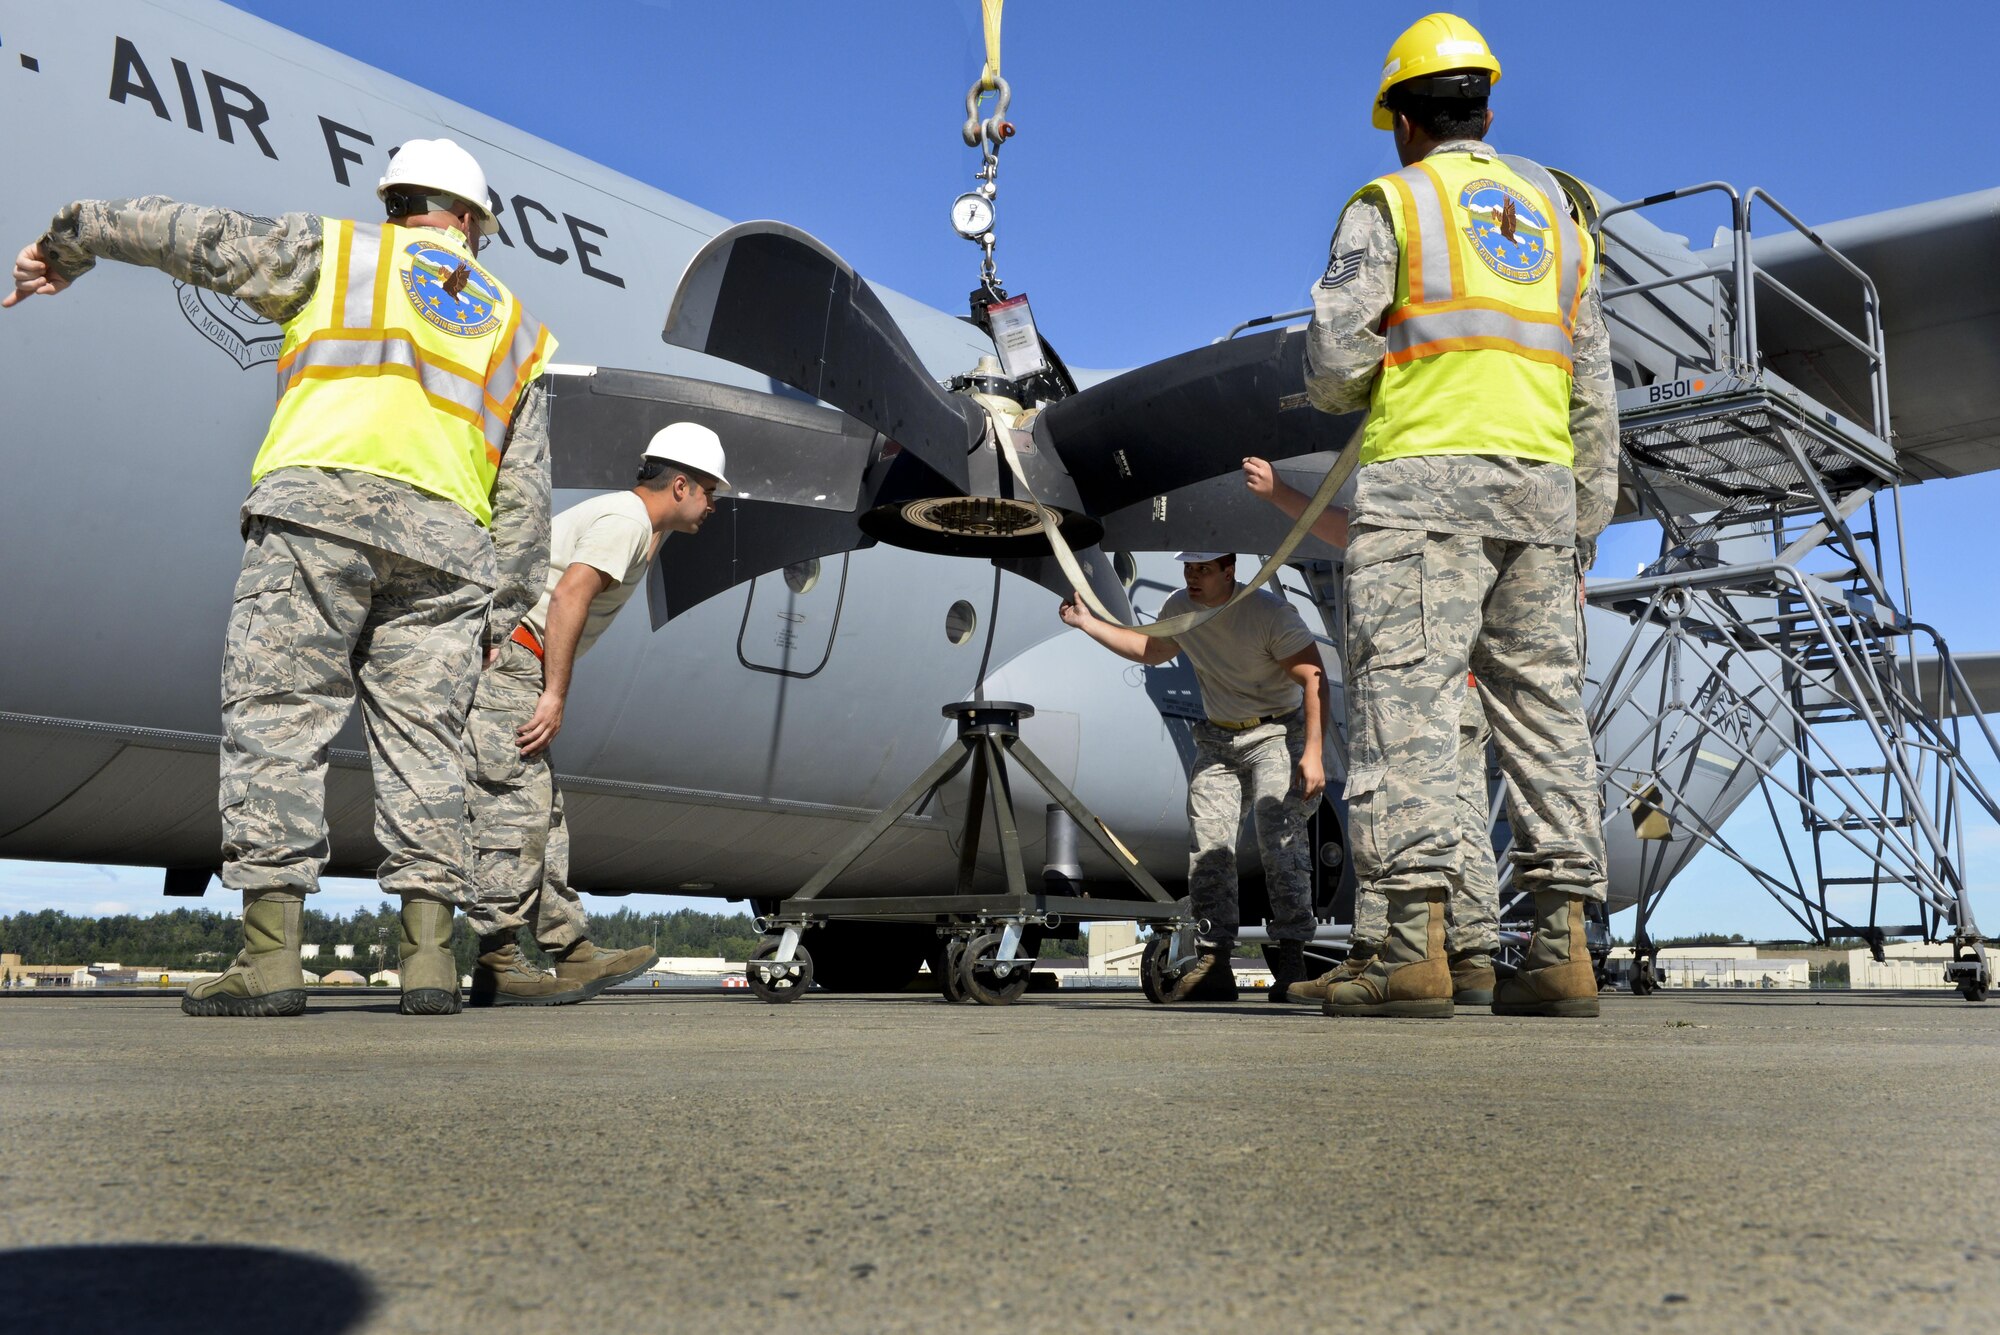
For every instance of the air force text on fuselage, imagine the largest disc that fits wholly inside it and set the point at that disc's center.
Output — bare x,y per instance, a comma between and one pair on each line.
208,102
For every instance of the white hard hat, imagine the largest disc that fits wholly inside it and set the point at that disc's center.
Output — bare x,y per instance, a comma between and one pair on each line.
441,166
692,446
1195,558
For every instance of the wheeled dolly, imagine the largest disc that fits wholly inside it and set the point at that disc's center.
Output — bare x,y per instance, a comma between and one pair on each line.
988,937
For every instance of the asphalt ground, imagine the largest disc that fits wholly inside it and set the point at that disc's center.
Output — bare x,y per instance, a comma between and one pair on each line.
707,1162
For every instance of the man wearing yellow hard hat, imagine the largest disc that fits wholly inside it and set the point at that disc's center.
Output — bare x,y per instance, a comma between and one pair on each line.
1458,308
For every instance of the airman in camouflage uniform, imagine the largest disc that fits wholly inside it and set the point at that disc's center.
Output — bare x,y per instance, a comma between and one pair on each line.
352,584
1472,896
1473,906
1464,561
1259,752
599,553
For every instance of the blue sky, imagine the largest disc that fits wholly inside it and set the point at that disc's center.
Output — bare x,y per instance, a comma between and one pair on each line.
1179,167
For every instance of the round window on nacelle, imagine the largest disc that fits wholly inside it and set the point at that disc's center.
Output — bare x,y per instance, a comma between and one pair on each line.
802,576
960,622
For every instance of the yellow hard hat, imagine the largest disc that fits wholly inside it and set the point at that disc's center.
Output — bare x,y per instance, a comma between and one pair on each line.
1433,44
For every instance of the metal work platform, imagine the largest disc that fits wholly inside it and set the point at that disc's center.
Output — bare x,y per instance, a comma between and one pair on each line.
1746,435
1769,655
988,951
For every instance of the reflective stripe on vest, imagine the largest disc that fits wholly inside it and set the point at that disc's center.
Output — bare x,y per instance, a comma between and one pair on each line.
408,362
1480,343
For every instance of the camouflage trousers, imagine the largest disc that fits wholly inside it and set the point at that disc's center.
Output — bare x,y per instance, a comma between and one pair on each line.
318,621
1422,609
520,841
1472,904
1251,771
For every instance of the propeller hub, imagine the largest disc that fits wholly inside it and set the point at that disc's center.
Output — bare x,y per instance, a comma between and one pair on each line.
978,516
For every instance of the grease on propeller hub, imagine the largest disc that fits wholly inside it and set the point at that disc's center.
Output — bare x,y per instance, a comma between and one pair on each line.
978,516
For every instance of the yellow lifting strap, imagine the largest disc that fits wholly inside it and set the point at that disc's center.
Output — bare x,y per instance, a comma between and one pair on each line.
989,77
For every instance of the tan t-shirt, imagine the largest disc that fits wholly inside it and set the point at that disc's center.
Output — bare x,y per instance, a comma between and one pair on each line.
1236,654
611,533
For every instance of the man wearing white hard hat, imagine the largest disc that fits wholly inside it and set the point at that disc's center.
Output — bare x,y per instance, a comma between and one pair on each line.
1259,753
598,558
398,514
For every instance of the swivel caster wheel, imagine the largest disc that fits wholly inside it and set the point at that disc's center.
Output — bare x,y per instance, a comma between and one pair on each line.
951,983
774,982
1157,974
988,980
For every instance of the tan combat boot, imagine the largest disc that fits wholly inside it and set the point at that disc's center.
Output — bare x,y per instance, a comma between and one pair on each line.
1211,977
1472,978
265,979
1313,991
1409,977
1556,977
502,976
430,972
594,968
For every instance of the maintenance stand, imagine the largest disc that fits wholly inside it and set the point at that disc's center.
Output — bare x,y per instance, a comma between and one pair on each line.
1769,650
984,933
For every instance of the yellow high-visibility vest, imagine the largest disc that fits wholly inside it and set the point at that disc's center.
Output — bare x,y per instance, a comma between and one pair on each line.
1490,275
407,363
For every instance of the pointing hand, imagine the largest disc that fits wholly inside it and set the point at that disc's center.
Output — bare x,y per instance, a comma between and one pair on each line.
32,277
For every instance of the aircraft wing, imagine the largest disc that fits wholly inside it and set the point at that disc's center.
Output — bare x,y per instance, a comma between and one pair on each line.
1981,672
1933,268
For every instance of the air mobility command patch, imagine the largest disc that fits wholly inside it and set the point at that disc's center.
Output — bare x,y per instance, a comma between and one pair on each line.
230,325
450,291
1509,231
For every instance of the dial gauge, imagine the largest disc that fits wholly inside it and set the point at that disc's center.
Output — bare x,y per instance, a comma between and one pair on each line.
972,214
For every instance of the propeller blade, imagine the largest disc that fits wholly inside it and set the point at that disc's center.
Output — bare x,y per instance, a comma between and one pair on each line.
1175,422
1220,515
773,299
740,541
779,448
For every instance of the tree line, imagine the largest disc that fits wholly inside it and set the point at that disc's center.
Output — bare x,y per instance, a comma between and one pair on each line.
190,938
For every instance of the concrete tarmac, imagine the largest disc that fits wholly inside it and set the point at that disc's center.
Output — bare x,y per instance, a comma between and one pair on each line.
1695,1161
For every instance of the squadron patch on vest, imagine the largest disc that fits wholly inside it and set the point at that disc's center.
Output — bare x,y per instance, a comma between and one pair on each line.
1342,269
449,291
1509,231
